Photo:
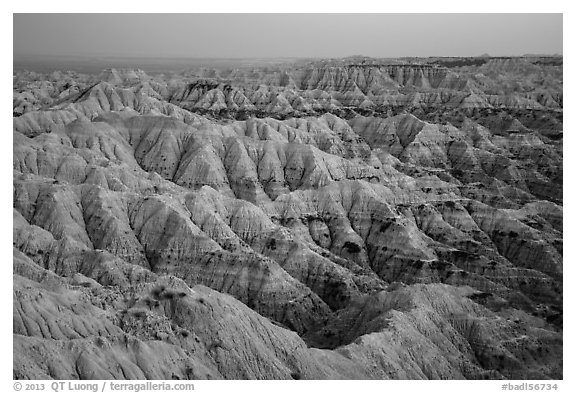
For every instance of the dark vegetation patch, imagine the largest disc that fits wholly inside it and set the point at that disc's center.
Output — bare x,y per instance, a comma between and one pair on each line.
352,247
550,61
460,62
271,244
439,265
418,264
480,296
385,226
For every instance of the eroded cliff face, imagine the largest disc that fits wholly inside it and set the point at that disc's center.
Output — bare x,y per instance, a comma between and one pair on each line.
349,220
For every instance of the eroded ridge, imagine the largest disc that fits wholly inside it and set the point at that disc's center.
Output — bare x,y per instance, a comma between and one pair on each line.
333,219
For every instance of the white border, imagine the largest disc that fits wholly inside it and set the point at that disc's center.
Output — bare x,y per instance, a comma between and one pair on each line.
421,6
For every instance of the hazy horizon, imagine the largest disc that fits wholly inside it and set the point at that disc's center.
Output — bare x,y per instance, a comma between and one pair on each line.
269,36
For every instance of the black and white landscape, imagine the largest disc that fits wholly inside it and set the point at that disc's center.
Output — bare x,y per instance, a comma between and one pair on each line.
347,217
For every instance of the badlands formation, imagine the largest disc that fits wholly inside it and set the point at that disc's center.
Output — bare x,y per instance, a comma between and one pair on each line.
354,218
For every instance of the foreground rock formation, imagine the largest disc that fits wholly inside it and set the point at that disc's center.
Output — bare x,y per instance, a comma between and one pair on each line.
351,219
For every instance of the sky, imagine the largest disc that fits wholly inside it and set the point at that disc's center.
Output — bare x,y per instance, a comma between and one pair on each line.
285,35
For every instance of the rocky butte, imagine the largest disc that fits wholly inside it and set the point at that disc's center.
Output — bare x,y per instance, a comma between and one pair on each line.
353,218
